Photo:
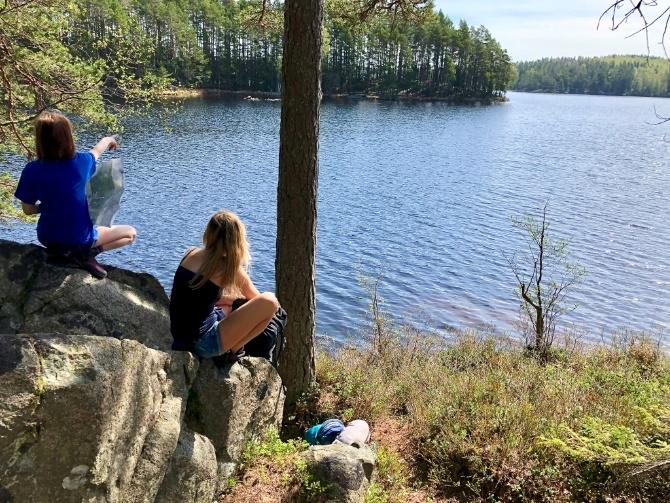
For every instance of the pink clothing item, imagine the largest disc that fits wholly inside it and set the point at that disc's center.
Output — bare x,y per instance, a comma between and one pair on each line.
356,434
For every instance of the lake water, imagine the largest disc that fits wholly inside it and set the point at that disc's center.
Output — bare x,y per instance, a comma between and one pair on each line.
421,194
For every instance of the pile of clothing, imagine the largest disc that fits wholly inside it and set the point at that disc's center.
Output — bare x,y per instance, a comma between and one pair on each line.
333,431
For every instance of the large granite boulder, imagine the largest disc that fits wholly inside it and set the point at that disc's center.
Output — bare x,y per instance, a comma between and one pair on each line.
234,404
100,415
347,471
87,418
36,296
192,477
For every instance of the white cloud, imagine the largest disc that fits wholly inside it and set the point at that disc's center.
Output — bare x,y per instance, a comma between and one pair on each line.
544,28
570,37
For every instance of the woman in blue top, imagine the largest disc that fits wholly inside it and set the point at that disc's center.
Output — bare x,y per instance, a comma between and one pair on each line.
54,186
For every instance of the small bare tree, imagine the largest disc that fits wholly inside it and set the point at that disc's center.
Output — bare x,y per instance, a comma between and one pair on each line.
379,323
544,276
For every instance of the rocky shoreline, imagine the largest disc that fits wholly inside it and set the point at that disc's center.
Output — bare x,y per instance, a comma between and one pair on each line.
187,93
95,407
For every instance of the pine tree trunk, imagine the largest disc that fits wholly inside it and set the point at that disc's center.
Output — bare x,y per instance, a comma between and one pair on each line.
297,189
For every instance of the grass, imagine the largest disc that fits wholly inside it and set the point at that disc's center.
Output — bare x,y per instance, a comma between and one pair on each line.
479,420
9,208
274,468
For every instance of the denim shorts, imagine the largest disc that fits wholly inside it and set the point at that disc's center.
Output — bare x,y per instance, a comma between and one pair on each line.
209,345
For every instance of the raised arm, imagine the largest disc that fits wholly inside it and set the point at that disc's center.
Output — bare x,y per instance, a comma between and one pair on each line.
247,286
107,143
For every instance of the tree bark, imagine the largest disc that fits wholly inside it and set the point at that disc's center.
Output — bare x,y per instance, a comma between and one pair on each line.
297,190
539,330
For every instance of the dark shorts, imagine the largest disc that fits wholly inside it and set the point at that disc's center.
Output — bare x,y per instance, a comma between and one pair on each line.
63,249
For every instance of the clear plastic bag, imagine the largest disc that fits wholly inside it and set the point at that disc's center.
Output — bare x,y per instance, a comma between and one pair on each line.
104,192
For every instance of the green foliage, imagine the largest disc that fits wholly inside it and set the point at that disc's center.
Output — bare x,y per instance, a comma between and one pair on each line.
37,70
426,56
392,478
376,494
56,56
272,455
271,447
484,420
230,484
597,441
391,470
9,208
311,486
237,46
613,75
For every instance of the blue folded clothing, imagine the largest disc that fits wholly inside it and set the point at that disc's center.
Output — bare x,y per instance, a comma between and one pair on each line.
324,433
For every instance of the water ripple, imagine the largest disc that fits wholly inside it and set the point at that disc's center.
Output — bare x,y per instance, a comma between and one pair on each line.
422,194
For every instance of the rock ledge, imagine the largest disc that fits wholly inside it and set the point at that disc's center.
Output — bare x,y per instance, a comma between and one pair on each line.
95,408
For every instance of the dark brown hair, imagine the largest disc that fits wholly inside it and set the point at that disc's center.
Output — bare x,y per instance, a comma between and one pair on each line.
53,137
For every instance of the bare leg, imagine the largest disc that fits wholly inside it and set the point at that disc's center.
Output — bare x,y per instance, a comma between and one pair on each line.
254,332
116,236
247,321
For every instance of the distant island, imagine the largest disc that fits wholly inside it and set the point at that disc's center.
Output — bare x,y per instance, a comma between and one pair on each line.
232,46
608,75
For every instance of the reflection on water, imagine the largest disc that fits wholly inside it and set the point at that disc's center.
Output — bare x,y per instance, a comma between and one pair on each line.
422,194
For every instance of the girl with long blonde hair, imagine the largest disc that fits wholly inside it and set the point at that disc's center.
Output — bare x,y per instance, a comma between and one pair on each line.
207,282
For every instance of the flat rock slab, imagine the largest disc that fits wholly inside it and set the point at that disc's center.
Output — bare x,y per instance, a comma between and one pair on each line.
38,297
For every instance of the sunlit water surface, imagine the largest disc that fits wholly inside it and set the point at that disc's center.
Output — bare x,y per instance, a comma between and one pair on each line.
421,194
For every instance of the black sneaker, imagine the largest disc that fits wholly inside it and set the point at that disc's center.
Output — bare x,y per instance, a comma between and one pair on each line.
228,358
91,265
59,258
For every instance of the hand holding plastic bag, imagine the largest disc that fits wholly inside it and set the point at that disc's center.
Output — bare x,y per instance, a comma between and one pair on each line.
104,191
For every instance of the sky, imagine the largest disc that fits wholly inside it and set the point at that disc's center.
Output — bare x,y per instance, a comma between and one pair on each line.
532,29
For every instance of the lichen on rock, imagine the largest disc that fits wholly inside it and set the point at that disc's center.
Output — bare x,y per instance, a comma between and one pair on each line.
92,401
234,404
345,471
36,296
70,401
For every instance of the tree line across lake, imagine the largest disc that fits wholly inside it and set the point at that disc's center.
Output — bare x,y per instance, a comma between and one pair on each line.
237,45
611,75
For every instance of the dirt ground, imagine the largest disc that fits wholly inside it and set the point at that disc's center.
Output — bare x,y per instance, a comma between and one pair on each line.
265,482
